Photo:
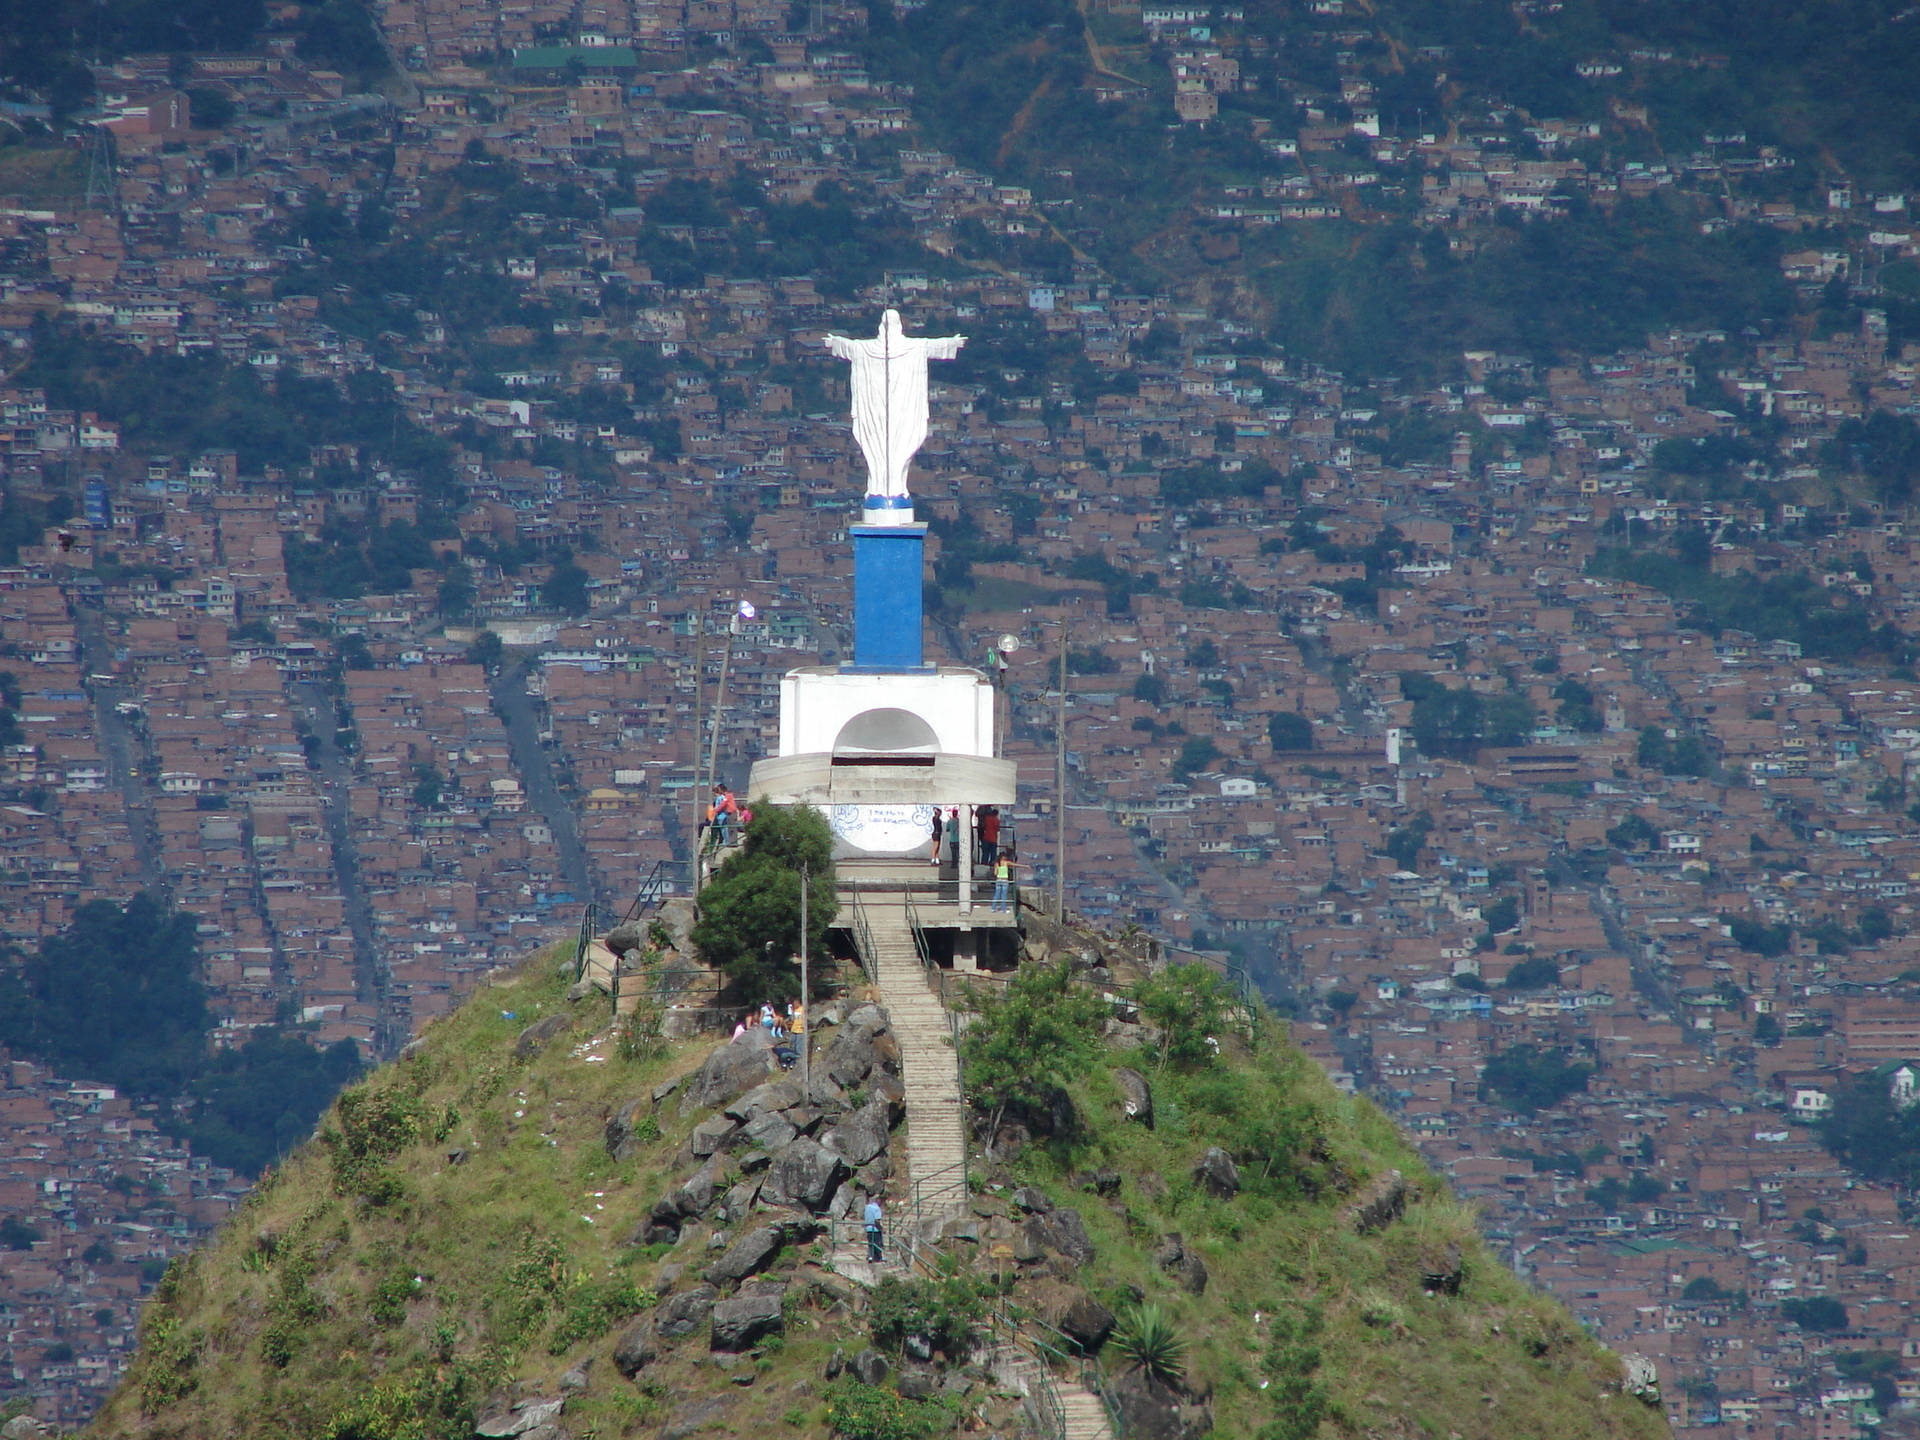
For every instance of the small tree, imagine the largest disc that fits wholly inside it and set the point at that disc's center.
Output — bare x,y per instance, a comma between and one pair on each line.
1527,1078
1040,1032
486,650
750,912
1189,1004
1287,731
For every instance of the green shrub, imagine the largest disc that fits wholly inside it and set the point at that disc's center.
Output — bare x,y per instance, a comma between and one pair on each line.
1146,1338
276,1344
1189,1004
171,1355
373,1126
865,1412
528,1287
593,1307
942,1312
388,1307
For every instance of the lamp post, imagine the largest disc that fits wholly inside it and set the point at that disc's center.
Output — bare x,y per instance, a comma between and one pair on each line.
806,1027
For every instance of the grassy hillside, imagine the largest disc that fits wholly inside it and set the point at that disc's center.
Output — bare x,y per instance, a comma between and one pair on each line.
460,1237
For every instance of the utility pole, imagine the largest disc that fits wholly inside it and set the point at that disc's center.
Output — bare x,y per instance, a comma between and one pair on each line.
699,699
1060,791
806,995
720,702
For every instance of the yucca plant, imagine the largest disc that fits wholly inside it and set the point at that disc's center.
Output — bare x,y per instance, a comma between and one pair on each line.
1145,1337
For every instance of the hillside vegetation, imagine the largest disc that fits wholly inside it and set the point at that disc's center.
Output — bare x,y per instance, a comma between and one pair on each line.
519,1212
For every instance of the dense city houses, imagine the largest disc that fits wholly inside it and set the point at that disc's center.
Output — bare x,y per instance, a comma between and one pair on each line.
1422,740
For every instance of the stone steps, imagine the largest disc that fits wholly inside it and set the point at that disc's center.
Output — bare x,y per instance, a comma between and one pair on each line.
937,1150
930,1071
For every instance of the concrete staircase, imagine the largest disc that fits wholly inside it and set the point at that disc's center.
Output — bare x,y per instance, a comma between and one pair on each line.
936,1161
1079,1414
936,1111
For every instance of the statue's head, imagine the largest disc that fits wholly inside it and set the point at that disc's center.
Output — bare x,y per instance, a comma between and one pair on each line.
890,326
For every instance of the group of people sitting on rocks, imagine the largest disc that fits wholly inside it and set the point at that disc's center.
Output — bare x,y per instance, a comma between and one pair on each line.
782,1030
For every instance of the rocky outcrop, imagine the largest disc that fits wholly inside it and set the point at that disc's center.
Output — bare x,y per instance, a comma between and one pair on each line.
1136,1096
684,1313
636,1349
1087,1323
622,1143
1181,1263
763,1099
1218,1174
739,1323
804,1177
1066,1232
862,1135
521,1419
1150,1410
748,1255
730,1071
538,1033
1379,1205
711,1134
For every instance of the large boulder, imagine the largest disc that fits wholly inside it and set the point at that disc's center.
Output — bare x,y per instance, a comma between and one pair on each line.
684,1313
862,1135
636,1349
773,1095
1181,1263
1067,1233
1136,1096
620,1129
737,1203
1150,1410
748,1255
730,1071
770,1131
698,1192
741,1322
1087,1323
523,1417
538,1033
803,1177
1217,1172
678,916
709,1415
869,1367
849,1058
710,1135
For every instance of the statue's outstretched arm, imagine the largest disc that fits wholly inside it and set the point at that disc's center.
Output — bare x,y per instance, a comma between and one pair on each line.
944,347
839,345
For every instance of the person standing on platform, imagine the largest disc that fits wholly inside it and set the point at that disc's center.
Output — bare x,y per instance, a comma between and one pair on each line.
939,834
989,834
875,1239
953,836
1003,882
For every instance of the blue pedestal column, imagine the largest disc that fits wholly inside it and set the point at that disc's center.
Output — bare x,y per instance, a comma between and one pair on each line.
888,571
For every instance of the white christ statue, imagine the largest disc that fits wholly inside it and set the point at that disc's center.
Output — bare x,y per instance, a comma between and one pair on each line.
890,409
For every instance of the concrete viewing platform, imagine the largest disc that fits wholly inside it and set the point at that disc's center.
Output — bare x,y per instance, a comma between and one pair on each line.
939,897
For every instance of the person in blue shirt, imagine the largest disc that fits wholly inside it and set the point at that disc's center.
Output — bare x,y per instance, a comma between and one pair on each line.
872,1217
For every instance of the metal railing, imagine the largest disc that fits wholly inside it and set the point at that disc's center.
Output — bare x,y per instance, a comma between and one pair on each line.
863,939
936,980
652,890
588,929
